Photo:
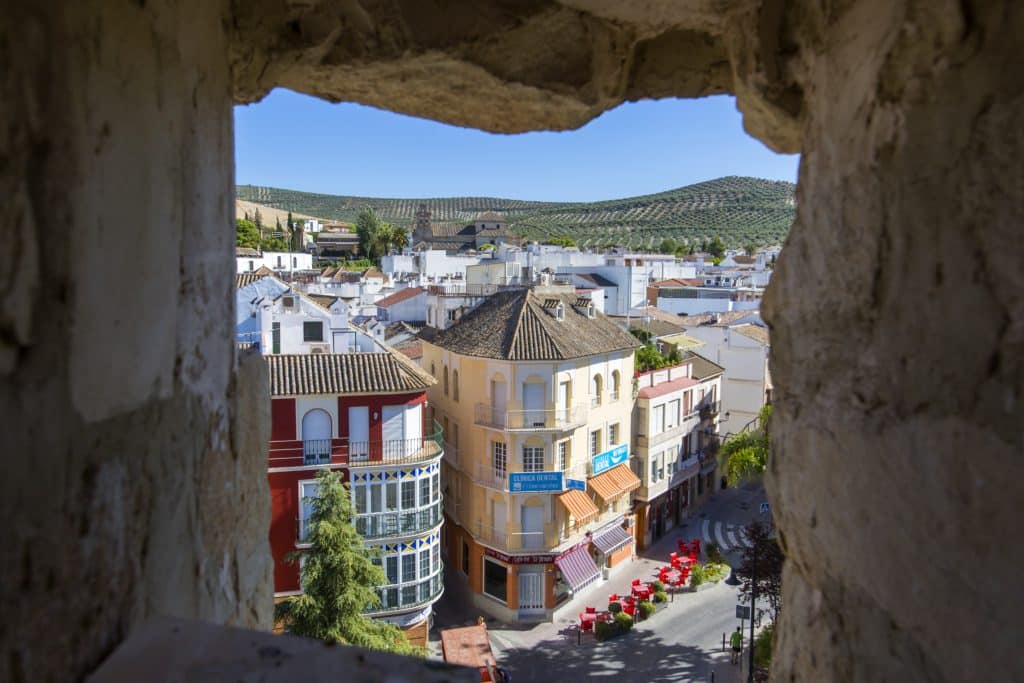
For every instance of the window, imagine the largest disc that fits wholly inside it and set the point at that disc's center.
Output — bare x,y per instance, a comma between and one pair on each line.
499,459
595,391
595,442
295,262
616,382
391,496
375,498
455,385
313,331
252,266
563,454
654,470
408,495
391,568
658,419
465,557
433,371
451,315
613,434
408,567
688,403
533,458
280,264
446,380
435,485
424,491
425,563
360,494
495,580
672,414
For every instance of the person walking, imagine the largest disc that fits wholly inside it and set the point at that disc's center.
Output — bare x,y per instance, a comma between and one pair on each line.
736,639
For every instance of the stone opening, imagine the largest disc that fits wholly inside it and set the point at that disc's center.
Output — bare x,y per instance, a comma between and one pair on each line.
896,308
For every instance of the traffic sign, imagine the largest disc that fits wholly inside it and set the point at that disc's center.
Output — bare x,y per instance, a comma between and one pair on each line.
765,508
742,611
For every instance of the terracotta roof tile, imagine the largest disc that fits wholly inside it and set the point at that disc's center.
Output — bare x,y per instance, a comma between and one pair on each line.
386,372
514,325
399,296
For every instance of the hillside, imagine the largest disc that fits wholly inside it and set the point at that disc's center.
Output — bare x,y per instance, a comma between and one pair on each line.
737,209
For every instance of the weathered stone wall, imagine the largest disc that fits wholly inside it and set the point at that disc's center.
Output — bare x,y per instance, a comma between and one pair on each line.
897,327
133,482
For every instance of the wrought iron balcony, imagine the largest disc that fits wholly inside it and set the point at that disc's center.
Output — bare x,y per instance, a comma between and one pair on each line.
541,419
395,451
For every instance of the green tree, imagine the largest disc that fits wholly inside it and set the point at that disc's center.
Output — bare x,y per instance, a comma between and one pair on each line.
369,228
273,244
751,249
746,454
560,241
338,579
668,246
246,234
716,247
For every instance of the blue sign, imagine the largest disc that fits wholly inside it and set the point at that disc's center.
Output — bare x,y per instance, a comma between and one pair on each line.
609,459
530,482
578,484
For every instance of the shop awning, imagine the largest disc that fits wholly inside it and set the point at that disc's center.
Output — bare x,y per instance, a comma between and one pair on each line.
614,483
610,540
577,504
578,568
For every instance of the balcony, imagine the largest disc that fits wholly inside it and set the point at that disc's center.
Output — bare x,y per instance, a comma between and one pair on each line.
688,424
402,597
551,419
517,541
709,410
316,451
387,524
395,451
491,477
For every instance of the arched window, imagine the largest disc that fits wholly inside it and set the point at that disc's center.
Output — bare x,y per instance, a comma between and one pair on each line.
316,436
446,380
596,385
616,381
455,385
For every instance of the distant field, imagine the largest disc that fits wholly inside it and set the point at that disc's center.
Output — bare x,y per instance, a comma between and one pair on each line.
739,210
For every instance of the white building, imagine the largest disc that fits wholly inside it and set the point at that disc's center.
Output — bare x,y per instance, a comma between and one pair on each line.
251,260
739,342
430,264
312,226
405,305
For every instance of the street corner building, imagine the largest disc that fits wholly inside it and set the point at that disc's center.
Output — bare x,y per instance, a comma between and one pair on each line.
363,415
676,439
535,397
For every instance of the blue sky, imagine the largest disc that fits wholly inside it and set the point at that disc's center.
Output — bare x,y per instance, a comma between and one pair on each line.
301,143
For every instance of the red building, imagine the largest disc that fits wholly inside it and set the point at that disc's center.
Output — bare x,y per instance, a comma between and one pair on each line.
363,415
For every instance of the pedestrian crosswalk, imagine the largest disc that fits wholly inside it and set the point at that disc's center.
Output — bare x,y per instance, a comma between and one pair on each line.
728,536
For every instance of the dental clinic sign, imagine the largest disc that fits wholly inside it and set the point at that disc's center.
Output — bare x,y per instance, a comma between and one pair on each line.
609,459
532,482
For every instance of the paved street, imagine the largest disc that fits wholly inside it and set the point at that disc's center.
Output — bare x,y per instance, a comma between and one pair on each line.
683,642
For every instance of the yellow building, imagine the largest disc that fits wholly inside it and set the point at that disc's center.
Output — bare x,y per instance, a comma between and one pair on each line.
535,395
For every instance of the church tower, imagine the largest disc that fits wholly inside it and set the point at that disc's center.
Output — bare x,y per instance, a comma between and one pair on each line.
422,231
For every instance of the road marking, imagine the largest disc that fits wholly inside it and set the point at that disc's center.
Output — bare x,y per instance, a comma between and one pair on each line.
722,545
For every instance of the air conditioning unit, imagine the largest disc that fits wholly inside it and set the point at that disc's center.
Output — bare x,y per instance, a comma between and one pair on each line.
320,348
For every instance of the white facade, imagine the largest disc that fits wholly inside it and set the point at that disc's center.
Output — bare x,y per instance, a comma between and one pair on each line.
278,261
695,306
312,226
292,324
432,264
746,384
413,309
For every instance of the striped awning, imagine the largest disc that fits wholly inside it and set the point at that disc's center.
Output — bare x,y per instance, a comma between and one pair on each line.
610,540
614,483
577,504
578,568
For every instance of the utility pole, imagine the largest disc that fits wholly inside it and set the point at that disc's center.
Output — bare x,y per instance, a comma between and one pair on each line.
753,606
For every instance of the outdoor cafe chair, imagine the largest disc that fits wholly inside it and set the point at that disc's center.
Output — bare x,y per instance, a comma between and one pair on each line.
591,610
